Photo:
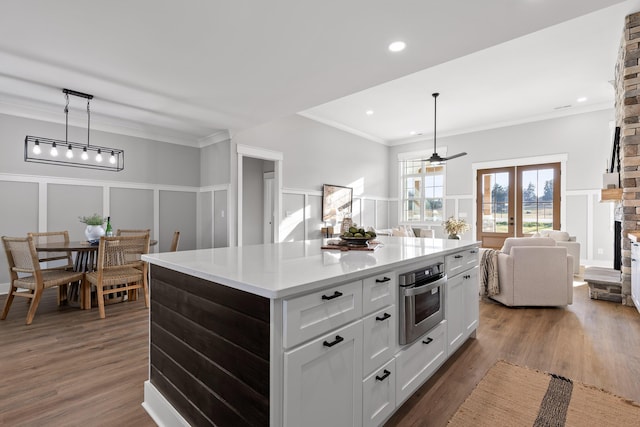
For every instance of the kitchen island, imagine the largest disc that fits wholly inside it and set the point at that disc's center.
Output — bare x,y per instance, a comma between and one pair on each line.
291,334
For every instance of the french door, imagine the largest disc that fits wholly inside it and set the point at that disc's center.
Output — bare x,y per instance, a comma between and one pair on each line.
517,201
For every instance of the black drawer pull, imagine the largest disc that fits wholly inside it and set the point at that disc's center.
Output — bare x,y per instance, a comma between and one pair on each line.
384,375
473,252
428,341
386,279
338,339
458,256
336,294
384,317
467,276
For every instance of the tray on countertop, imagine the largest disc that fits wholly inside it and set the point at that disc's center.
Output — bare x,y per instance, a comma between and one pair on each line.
343,246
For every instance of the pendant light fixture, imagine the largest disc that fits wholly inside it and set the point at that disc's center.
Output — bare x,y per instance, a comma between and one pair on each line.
435,159
45,150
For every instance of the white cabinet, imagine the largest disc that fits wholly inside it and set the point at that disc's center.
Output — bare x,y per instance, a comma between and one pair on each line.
323,380
379,395
416,362
454,311
635,274
462,297
310,315
379,291
472,300
379,338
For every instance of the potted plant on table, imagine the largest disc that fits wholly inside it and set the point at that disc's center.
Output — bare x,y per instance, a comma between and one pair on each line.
94,229
455,227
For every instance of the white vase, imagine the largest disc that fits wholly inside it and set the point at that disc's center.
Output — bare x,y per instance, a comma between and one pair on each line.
93,232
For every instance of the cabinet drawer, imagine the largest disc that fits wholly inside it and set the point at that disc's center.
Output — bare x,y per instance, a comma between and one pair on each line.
311,315
461,261
379,338
378,291
379,395
418,361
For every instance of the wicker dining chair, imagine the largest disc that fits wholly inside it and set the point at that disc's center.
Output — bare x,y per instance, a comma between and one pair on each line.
25,272
120,268
64,259
125,232
175,241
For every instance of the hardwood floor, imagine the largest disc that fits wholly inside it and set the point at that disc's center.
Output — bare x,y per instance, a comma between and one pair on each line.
594,342
69,368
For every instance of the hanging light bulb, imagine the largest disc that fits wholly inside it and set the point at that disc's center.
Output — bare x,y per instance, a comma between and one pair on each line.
54,150
36,147
99,156
84,155
112,159
69,153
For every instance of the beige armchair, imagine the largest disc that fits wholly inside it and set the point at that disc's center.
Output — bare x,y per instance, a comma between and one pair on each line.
563,238
534,271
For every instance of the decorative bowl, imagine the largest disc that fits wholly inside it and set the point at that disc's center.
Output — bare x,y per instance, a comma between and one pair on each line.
356,241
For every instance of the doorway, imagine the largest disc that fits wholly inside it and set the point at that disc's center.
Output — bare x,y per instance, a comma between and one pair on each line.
517,201
252,163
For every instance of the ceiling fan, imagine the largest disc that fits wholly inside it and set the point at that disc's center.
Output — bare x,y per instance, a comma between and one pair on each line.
435,159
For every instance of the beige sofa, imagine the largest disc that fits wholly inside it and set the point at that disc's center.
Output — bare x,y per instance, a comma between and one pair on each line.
534,271
563,239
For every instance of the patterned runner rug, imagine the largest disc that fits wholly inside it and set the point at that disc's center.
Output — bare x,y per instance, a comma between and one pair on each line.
511,395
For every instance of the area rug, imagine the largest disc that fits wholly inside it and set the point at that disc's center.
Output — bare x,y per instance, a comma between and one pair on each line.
511,395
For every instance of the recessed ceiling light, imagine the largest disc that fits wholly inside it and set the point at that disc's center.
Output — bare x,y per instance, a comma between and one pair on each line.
369,112
413,132
581,99
397,46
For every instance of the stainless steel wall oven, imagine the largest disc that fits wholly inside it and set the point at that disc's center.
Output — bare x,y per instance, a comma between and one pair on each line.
421,301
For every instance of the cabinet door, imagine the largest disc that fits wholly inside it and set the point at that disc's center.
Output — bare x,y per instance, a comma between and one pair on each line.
379,395
417,362
455,312
471,300
323,380
379,337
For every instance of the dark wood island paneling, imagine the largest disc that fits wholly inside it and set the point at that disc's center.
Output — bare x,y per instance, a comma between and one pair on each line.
209,352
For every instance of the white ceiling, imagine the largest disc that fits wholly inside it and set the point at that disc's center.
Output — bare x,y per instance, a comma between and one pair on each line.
190,71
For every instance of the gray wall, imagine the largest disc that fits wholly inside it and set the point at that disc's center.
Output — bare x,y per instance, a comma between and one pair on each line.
215,161
41,197
586,139
146,161
316,154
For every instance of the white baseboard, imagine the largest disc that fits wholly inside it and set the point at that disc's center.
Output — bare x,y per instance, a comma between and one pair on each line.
159,408
4,288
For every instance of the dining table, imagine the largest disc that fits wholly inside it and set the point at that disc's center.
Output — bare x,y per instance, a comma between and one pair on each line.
85,260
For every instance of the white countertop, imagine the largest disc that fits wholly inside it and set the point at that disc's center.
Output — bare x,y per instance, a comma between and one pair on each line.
284,269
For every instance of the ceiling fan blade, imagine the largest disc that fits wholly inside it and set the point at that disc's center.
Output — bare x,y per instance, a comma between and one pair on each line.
455,156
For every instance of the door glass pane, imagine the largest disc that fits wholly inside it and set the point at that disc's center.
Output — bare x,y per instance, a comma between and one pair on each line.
537,200
495,202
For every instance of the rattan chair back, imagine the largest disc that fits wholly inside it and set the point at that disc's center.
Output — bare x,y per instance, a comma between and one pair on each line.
53,237
131,232
25,272
175,241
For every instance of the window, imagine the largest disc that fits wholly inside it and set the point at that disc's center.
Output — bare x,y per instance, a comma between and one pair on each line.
422,191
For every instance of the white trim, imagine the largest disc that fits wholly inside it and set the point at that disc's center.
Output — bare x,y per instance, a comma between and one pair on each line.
258,153
43,212
159,408
523,161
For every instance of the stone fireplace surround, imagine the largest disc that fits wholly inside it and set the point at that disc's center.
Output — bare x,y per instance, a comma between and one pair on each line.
627,117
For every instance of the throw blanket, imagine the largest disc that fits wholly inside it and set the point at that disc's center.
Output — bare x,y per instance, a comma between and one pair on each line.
489,272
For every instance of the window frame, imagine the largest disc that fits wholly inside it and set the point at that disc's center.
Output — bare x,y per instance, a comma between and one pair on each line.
403,158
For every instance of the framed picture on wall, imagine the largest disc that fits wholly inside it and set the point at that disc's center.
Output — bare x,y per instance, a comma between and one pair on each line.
336,203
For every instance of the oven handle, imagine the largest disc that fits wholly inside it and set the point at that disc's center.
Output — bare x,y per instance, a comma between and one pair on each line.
424,288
